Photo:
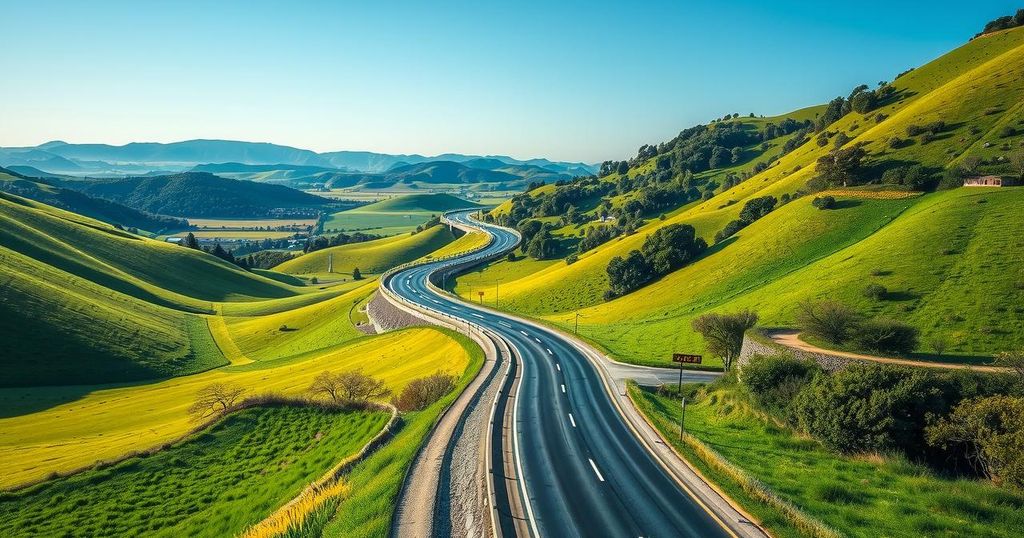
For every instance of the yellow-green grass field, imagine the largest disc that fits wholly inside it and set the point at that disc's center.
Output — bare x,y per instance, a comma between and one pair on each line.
969,89
370,257
60,429
866,495
215,483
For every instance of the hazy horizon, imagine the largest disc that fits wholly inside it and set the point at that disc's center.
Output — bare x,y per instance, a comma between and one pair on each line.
523,80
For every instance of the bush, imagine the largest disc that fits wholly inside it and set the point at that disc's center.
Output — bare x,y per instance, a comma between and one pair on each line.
876,292
422,392
990,434
870,407
730,230
824,202
829,320
571,259
887,336
775,380
1007,132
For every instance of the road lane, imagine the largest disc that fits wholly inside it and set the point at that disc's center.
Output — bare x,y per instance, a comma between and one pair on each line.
584,471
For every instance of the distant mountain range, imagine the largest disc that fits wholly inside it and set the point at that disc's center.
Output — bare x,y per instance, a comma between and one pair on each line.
141,158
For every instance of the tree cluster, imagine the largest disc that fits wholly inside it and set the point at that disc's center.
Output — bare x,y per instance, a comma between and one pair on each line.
664,251
322,241
1004,23
754,209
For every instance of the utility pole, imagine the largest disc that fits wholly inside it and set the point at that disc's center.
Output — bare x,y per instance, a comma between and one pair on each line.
576,329
496,282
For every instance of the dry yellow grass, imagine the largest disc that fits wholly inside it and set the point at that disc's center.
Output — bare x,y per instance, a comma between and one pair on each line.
110,421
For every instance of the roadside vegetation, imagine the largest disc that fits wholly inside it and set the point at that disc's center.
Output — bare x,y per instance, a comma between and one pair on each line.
214,483
781,444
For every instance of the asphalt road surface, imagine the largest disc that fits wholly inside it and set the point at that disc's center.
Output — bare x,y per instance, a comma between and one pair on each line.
584,472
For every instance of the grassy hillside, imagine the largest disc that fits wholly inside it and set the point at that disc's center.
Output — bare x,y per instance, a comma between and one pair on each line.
109,421
371,256
110,212
394,215
216,483
89,303
971,90
198,194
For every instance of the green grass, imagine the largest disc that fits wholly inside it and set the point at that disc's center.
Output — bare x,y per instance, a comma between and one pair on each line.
858,496
968,296
367,512
395,215
371,256
213,484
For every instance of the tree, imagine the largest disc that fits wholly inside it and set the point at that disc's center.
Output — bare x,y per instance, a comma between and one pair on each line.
970,164
191,241
356,274
349,386
990,432
422,392
216,398
842,167
824,202
627,274
864,102
1017,162
723,333
671,247
831,321
757,207
541,246
1013,360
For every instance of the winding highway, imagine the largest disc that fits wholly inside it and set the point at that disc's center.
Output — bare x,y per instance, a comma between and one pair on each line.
582,470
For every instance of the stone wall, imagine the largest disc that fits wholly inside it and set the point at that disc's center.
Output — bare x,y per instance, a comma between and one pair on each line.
759,343
387,317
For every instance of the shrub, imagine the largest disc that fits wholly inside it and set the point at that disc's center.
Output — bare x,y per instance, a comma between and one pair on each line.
870,407
886,335
422,392
571,259
829,320
775,380
990,433
876,292
824,202
730,230
1007,132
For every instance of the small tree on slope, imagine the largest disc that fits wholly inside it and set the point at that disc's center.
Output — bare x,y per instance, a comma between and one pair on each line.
723,333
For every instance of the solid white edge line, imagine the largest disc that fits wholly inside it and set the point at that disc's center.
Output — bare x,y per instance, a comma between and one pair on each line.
572,420
594,466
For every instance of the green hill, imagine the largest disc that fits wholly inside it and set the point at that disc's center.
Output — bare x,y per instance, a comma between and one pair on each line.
84,302
42,190
199,194
436,203
958,115
371,256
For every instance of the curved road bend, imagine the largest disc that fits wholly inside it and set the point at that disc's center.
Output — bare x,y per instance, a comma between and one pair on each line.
585,472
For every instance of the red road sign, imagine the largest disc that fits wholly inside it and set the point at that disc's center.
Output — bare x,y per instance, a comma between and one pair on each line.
685,358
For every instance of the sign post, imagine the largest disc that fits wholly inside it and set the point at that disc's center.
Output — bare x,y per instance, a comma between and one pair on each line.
481,294
684,358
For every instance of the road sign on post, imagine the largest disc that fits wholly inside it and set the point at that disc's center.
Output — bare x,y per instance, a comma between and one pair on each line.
683,358
481,294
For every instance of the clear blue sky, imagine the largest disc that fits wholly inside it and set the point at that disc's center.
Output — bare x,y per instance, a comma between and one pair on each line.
577,81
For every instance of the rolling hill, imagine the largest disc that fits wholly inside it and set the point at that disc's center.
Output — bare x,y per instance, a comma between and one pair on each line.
87,302
200,194
42,190
371,256
957,115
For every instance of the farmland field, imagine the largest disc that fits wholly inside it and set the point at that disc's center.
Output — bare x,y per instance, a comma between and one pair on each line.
249,223
235,235
214,483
